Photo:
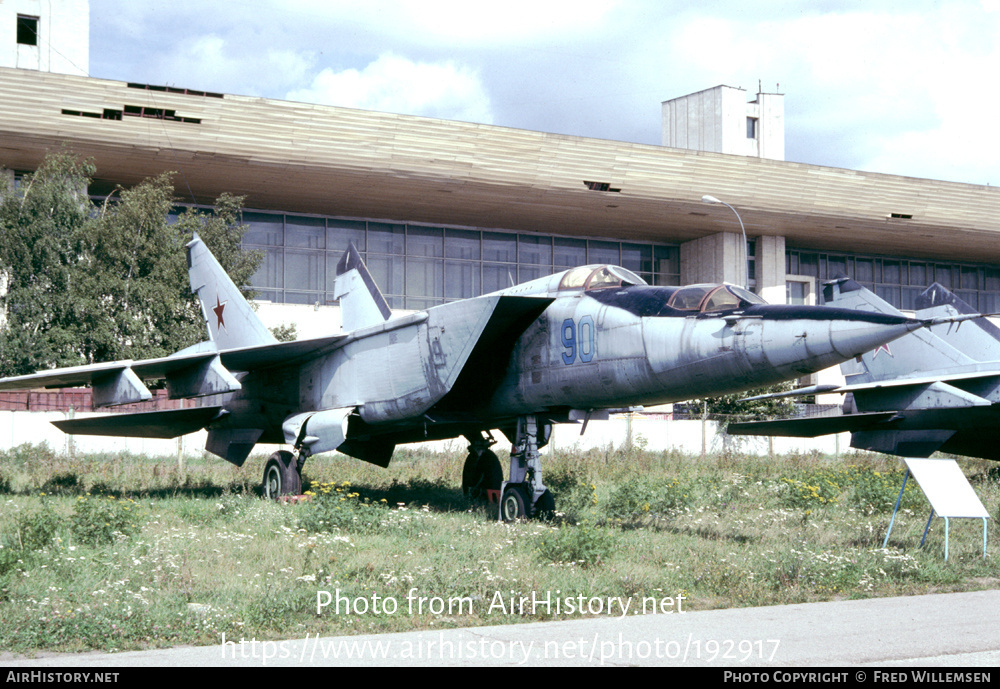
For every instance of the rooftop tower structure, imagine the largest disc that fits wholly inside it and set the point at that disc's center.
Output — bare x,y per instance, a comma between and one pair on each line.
721,120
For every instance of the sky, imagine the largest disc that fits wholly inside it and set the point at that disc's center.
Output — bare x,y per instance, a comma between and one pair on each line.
906,88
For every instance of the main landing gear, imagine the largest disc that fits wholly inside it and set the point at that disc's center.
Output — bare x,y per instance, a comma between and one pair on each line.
523,496
482,475
283,474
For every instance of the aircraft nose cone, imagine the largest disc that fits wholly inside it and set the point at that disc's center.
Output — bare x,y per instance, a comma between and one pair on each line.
855,332
799,340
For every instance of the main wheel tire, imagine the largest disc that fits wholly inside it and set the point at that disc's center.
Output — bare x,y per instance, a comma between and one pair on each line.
514,504
281,476
545,506
480,475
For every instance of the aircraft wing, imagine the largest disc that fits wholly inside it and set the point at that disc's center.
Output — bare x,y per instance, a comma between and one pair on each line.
955,418
194,372
113,382
72,376
917,381
153,424
881,384
810,427
258,357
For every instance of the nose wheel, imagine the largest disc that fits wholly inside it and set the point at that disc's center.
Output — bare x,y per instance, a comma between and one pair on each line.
515,504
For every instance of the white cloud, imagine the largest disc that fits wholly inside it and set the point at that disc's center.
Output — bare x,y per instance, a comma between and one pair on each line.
877,86
898,91
395,84
505,22
215,63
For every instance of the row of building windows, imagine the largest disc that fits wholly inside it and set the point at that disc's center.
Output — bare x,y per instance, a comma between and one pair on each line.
417,266
897,280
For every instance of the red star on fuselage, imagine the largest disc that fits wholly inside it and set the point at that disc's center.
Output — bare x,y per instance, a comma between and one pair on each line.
220,307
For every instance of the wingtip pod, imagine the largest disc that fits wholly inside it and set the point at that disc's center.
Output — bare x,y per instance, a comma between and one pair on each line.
229,318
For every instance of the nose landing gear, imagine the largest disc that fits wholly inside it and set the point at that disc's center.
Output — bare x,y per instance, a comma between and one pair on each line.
524,494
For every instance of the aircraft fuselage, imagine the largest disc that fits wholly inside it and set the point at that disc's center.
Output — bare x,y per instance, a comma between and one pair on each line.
587,351
440,372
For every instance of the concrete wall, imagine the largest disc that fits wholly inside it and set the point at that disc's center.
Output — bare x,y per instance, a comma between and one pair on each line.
716,258
692,437
720,258
63,36
699,121
309,321
769,109
770,269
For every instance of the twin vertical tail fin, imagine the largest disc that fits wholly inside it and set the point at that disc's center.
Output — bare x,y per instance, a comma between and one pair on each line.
922,349
361,303
979,338
230,320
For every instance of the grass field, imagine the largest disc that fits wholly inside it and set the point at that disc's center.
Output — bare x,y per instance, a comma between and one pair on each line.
123,552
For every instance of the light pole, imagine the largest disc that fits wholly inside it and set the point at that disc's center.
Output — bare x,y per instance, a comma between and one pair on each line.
746,254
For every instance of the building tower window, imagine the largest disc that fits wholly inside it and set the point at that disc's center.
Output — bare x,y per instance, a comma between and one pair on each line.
27,30
751,127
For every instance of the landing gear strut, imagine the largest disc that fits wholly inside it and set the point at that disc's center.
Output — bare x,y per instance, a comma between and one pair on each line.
524,495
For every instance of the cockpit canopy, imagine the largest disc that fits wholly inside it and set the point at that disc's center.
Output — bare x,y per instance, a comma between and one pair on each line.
656,301
712,297
599,277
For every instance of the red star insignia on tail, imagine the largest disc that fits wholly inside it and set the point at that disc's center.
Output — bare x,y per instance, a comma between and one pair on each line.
220,307
882,348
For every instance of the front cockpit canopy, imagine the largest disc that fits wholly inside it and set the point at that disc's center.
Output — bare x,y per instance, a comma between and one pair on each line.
712,297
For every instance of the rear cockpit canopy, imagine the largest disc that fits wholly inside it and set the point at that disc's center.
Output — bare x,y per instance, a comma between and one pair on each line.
599,277
712,297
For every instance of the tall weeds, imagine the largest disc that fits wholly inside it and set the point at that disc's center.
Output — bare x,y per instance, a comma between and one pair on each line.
119,551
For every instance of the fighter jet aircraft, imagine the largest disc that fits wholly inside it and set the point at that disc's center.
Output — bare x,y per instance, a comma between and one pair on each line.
565,348
934,389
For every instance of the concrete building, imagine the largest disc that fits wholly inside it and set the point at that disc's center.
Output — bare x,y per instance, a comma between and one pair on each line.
446,210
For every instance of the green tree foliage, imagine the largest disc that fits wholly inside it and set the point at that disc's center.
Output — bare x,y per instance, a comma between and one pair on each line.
286,332
737,407
93,284
39,225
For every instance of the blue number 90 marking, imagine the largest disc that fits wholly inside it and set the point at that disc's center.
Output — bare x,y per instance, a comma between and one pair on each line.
578,339
569,341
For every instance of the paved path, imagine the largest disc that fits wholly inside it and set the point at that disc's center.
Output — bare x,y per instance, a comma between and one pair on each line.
933,630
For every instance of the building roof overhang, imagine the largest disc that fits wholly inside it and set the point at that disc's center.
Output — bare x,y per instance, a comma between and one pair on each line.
338,161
